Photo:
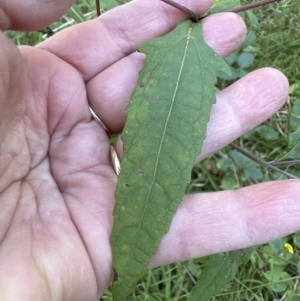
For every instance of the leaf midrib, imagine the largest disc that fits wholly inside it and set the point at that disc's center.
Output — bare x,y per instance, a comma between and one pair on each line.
163,136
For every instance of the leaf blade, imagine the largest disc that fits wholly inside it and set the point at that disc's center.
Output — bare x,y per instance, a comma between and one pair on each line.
220,270
165,128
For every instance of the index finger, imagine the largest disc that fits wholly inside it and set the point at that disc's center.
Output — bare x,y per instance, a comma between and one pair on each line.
95,45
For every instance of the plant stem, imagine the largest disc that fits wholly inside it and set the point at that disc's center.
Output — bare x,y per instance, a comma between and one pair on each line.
286,163
261,161
182,8
239,9
251,5
98,9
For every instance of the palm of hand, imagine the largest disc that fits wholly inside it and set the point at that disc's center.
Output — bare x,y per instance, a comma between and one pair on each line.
57,201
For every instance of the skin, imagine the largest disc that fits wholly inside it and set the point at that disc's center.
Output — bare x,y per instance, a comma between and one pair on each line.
56,181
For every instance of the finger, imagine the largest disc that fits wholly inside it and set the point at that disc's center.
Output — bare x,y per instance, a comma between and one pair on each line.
210,223
31,14
224,32
95,45
243,106
109,92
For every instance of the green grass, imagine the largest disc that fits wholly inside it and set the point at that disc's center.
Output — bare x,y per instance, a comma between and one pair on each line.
273,272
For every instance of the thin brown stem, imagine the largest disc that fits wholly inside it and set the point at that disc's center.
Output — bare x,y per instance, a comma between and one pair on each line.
286,163
239,9
186,10
98,9
251,5
261,161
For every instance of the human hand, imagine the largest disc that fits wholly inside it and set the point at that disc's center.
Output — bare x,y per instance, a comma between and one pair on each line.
57,184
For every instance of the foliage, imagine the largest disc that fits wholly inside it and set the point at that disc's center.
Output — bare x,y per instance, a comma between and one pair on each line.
164,131
219,271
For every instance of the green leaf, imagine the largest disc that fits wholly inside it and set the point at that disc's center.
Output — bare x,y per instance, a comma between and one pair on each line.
264,131
297,239
165,128
219,271
294,147
229,182
251,37
249,168
295,115
267,132
245,59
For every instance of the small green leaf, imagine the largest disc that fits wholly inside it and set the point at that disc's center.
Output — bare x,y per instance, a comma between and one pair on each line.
295,115
251,37
245,59
294,88
297,240
229,183
267,132
164,132
252,18
219,271
224,163
294,147
249,168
